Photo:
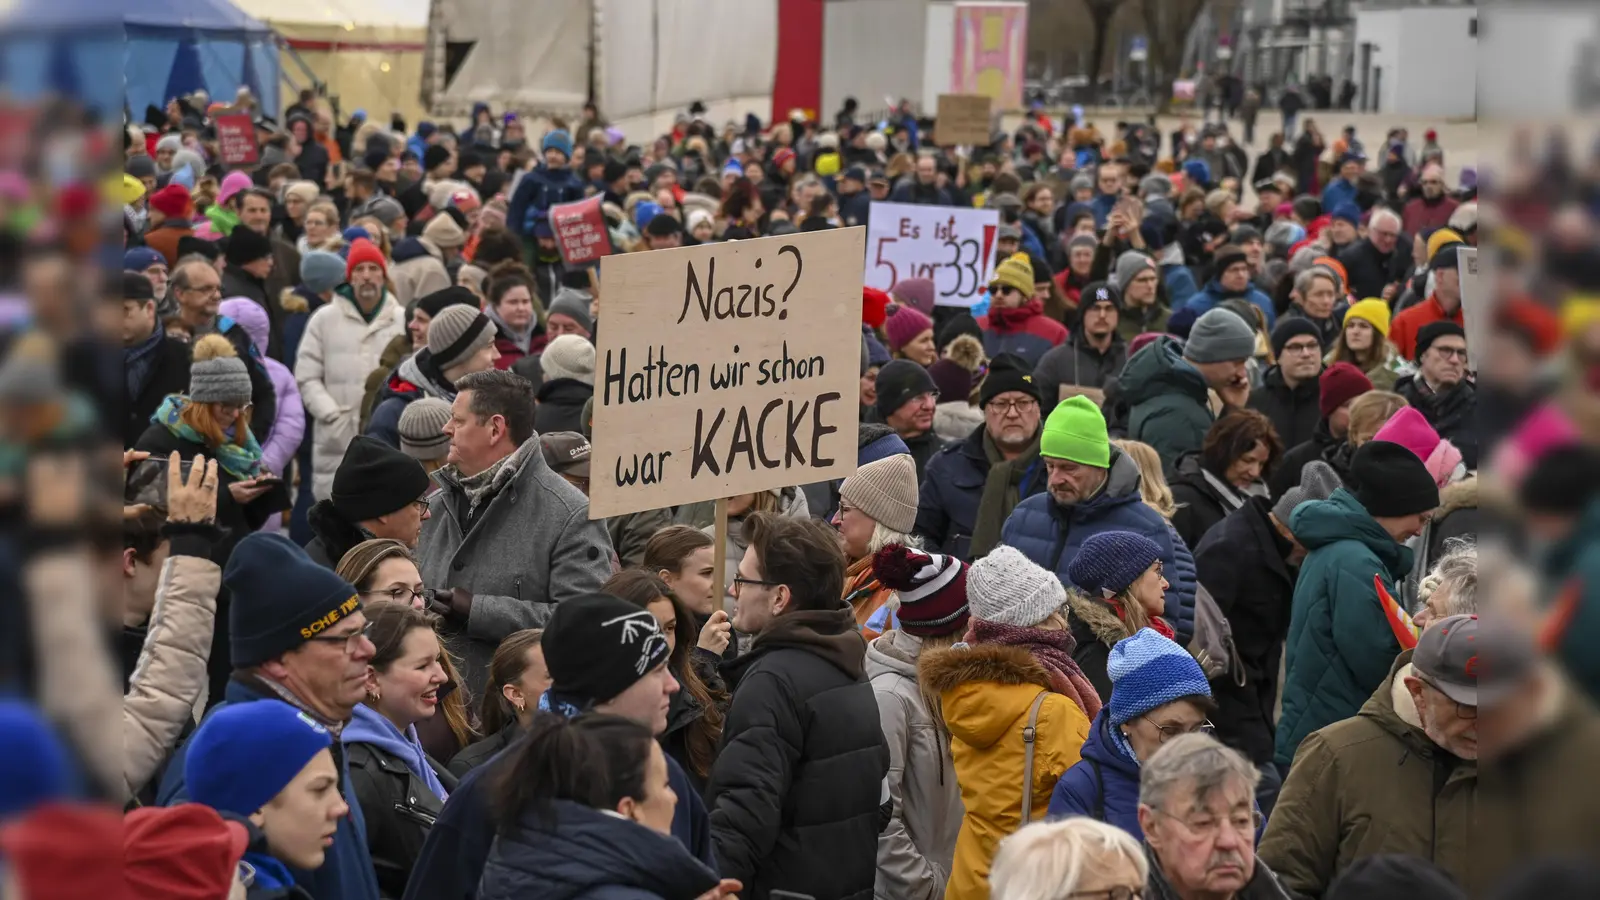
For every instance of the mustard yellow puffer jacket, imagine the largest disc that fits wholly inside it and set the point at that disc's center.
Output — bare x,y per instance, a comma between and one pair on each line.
985,692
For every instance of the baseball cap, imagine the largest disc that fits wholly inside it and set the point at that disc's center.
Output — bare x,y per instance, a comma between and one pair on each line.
1009,231
1470,662
855,173
567,452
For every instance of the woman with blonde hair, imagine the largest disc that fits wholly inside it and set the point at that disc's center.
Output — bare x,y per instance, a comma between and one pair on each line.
1153,487
1368,413
384,570
213,420
321,229
1073,858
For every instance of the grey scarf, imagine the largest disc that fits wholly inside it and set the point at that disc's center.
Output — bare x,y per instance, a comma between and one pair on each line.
482,487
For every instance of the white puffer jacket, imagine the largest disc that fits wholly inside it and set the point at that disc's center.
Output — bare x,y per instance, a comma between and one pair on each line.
339,350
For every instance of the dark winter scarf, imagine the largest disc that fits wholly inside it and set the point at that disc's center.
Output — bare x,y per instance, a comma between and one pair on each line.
139,359
1052,649
482,487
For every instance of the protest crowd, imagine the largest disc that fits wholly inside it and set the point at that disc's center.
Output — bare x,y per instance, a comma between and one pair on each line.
1157,575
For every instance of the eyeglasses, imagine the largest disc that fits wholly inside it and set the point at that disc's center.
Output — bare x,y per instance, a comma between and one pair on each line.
1463,711
1120,892
239,408
1206,825
351,641
212,291
1010,407
1302,348
1450,352
740,581
397,594
1386,234
1171,731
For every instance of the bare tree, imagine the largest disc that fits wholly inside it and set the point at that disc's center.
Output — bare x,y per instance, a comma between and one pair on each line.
1168,23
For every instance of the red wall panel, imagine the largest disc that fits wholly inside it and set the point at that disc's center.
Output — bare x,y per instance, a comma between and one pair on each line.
798,81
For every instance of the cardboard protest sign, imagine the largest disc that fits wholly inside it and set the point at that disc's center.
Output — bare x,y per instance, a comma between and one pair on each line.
962,119
953,246
1474,305
726,369
580,230
236,139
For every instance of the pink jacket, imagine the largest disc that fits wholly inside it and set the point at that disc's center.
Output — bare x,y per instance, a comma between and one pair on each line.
278,450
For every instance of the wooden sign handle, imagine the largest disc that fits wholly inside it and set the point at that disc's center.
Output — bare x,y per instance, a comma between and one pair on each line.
719,565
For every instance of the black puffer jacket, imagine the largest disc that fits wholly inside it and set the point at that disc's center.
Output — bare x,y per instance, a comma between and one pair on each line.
796,790
1242,563
1200,503
399,810
560,405
333,535
1293,410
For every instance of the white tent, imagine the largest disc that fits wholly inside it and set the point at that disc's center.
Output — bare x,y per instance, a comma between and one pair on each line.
368,52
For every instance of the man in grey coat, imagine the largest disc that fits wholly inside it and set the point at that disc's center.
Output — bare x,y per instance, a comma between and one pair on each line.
507,538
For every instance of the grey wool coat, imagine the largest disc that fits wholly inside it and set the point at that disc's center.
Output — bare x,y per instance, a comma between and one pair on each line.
530,546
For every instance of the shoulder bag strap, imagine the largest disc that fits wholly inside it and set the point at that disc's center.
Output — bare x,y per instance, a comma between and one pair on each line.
1028,733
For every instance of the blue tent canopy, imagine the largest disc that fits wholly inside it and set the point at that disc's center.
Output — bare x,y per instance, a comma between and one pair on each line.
105,51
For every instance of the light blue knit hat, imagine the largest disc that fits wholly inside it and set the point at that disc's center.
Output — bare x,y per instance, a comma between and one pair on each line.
1147,671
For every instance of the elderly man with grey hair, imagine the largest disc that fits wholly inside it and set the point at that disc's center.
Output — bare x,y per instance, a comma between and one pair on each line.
1450,588
1197,810
1377,263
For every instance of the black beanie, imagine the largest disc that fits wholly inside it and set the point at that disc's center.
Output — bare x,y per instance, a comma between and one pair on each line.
435,156
899,381
955,326
596,646
1390,481
136,286
280,598
1432,331
189,244
374,479
456,295
663,225
1394,876
245,246
1564,481
614,169
1008,372
1289,328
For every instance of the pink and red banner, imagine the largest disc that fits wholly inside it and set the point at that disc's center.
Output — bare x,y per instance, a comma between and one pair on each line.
991,52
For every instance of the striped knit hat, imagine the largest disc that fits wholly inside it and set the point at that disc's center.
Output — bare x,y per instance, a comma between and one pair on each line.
1147,671
932,589
421,428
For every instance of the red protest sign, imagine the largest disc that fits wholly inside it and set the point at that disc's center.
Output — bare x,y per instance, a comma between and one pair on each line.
236,139
580,230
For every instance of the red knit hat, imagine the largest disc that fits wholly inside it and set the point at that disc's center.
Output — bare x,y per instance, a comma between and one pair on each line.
783,155
67,851
1341,383
363,250
932,589
181,851
172,201
874,307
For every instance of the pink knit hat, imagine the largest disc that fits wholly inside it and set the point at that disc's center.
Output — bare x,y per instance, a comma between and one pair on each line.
1410,430
904,326
233,183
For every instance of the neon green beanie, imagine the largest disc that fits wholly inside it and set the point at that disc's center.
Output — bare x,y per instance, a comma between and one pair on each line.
1076,432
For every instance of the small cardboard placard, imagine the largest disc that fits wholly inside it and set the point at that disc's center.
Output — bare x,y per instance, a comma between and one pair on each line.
963,120
727,369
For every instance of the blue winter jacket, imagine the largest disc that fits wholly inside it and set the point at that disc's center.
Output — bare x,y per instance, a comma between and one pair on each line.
1212,295
952,488
1340,646
1103,204
590,854
1103,785
346,873
539,190
1050,535
458,846
1181,286
1336,193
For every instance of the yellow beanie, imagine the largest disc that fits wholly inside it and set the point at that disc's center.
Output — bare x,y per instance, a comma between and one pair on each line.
1015,272
1578,313
1373,311
123,190
828,164
1440,238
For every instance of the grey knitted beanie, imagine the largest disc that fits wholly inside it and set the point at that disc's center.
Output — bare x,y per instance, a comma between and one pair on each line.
217,374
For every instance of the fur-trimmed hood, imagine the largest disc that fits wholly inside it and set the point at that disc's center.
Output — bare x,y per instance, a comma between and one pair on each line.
982,688
956,420
966,351
1461,495
1097,617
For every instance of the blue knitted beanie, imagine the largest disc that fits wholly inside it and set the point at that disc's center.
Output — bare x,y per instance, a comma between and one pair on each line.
1112,560
1147,671
38,764
245,753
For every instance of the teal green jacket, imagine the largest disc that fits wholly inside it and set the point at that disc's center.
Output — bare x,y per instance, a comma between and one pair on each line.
1340,645
1576,561
1167,400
